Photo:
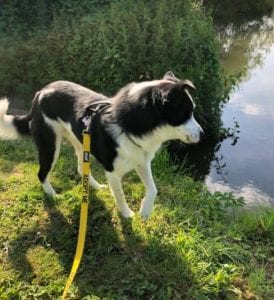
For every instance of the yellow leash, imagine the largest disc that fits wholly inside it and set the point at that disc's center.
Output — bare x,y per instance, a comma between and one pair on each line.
83,214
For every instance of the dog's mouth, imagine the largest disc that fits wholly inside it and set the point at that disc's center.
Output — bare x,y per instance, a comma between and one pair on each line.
191,140
188,140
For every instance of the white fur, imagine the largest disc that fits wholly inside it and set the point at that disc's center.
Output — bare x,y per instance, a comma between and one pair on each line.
7,129
137,87
48,189
137,153
45,93
190,97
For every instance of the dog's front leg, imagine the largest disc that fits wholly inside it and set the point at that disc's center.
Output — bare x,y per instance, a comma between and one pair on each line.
115,183
144,171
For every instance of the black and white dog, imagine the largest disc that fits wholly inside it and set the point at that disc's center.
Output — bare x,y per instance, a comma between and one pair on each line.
126,130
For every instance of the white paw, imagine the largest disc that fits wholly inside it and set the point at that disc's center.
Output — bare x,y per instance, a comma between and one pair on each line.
145,212
48,189
102,187
97,186
127,213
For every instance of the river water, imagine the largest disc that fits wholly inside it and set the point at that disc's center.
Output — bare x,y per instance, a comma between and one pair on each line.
244,164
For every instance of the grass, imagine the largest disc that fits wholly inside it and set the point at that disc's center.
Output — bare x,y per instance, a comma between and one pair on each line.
196,245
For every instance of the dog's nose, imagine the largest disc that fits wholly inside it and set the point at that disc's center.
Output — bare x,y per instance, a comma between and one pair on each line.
202,135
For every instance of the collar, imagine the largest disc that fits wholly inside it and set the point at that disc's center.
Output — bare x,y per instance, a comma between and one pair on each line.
132,141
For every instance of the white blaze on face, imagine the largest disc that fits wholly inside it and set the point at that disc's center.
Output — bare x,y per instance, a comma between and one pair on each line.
190,131
190,97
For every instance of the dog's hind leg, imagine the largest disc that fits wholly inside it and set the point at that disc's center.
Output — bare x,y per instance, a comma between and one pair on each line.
48,144
116,187
144,172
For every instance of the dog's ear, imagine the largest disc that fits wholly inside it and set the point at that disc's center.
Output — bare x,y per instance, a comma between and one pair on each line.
170,76
188,84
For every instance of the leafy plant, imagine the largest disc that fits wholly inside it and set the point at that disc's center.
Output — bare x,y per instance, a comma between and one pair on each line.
106,49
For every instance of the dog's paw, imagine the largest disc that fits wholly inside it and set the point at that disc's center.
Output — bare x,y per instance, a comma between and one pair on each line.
97,186
145,213
127,213
52,195
102,187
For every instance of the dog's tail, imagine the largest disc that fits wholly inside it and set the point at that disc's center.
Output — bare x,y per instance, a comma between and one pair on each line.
12,127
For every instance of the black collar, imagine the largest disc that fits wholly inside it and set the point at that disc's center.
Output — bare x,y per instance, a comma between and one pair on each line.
130,138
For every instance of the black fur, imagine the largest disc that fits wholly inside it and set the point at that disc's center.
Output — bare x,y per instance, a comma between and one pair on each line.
155,106
45,141
22,124
136,114
69,102
103,146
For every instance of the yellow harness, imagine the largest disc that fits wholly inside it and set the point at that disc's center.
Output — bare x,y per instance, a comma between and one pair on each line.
83,214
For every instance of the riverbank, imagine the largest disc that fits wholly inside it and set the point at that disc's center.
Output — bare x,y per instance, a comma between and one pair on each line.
191,247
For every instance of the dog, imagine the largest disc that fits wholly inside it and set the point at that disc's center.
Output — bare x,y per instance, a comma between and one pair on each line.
126,130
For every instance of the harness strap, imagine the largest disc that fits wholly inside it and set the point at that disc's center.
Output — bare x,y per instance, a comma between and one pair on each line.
101,106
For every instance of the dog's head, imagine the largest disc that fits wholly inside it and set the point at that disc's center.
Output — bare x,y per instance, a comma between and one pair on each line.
173,100
143,107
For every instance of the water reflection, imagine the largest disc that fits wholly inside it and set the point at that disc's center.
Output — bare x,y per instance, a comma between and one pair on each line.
244,162
249,192
199,159
238,11
249,167
245,46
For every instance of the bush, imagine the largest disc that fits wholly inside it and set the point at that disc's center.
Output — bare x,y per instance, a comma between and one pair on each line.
129,41
24,17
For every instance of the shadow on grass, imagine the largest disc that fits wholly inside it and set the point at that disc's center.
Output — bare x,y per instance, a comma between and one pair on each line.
55,233
117,262
134,268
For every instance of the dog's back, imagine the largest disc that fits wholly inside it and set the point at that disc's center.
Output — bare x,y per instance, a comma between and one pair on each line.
65,101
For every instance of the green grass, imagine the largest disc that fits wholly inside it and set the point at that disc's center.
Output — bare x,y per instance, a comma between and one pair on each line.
196,245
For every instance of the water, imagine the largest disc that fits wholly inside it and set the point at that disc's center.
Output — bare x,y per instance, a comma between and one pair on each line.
244,163
247,168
